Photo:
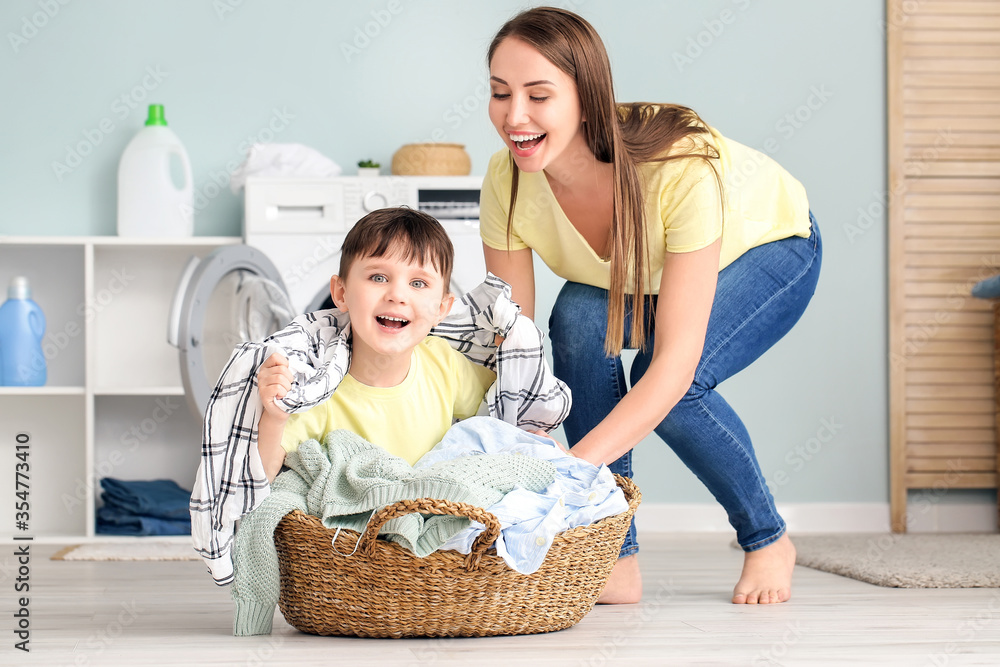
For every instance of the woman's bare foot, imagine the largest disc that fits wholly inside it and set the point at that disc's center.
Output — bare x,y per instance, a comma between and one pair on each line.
625,583
767,574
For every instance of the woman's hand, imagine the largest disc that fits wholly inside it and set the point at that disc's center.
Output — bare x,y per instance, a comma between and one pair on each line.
559,444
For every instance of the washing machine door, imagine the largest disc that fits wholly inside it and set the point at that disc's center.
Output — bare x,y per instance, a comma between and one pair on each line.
231,296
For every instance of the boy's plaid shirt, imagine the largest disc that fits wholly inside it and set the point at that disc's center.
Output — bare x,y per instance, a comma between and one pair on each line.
231,480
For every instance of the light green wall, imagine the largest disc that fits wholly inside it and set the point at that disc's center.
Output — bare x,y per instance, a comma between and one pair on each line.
226,70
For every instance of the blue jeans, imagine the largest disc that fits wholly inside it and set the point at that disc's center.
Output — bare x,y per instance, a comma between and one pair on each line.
758,299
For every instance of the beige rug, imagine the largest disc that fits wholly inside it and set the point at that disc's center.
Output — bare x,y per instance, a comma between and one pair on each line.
139,550
906,560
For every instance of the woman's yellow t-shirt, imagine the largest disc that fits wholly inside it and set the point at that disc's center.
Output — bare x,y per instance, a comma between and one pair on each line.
406,420
684,211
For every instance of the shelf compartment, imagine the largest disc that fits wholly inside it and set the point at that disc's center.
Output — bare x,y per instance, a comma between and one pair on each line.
146,437
58,492
133,289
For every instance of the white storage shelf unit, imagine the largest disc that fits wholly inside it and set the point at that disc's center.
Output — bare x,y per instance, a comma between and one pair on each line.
113,403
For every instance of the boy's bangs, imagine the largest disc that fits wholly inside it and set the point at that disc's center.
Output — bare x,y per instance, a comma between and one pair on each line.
408,247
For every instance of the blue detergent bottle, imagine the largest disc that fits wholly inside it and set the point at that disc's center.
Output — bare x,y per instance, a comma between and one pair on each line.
22,325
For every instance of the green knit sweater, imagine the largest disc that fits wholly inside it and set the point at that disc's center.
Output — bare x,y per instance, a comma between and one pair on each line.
342,481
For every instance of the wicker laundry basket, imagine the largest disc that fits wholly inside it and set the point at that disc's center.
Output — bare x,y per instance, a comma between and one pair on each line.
383,590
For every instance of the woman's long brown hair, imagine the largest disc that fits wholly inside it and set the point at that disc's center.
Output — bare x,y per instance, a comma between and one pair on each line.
621,134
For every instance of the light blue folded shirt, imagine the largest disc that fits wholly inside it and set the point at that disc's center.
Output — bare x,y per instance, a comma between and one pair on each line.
581,494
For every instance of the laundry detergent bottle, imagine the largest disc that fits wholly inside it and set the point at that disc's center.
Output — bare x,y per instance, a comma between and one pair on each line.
22,325
155,192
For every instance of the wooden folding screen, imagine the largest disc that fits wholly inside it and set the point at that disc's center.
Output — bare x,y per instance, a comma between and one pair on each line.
943,75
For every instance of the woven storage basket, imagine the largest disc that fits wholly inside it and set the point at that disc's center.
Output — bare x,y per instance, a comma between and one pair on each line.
383,590
433,159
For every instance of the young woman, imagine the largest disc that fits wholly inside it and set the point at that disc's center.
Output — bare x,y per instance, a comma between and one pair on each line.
696,250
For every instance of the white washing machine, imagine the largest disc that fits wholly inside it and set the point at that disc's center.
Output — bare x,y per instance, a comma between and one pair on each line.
293,230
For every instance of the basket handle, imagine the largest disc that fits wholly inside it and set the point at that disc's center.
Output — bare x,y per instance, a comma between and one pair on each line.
366,543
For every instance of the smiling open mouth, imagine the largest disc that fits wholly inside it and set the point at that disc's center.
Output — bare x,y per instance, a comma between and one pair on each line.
530,143
392,322
526,142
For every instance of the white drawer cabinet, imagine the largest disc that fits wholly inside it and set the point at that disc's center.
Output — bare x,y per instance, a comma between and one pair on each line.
113,404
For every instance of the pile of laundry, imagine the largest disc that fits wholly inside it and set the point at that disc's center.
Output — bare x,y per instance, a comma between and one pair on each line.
579,494
143,507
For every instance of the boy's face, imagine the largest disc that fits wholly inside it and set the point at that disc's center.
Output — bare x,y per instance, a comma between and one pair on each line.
393,303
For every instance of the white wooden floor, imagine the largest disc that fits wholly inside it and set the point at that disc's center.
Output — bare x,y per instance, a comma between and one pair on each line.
140,613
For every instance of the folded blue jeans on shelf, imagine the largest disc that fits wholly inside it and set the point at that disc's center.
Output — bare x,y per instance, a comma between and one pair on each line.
111,521
157,498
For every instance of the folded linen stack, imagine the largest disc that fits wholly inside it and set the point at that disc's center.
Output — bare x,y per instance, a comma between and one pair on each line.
146,507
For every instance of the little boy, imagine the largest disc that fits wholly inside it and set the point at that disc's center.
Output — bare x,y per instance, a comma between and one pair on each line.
404,388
